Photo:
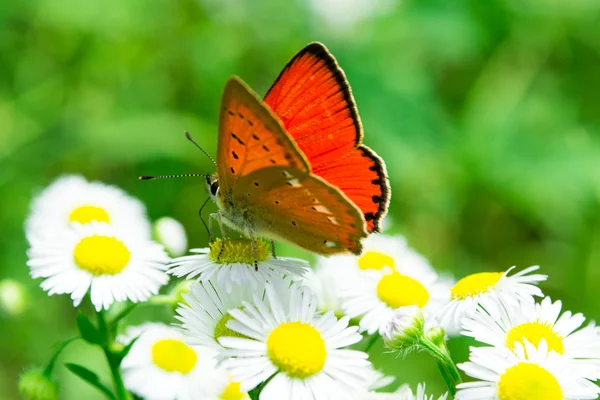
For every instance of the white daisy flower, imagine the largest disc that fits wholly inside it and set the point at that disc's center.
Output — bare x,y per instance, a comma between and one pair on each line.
527,373
162,366
222,387
231,262
96,256
297,350
380,251
470,290
404,393
380,285
204,315
503,326
72,199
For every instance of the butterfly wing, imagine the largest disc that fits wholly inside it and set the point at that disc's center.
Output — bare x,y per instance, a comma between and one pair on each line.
251,137
313,99
265,181
302,209
361,176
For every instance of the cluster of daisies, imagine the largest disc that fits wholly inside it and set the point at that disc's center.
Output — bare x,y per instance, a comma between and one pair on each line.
289,331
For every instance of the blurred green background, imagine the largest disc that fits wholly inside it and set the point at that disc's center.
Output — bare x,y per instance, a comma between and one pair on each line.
486,112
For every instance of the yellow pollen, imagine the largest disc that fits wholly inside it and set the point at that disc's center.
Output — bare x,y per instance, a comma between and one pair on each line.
526,381
297,349
101,255
233,392
534,332
221,328
87,214
375,260
173,355
238,251
475,284
397,290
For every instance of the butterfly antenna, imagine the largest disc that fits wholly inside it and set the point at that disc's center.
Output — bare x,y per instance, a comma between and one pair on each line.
189,137
149,178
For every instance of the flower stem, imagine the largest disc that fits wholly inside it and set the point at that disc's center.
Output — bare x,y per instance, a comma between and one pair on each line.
61,347
114,361
371,342
447,368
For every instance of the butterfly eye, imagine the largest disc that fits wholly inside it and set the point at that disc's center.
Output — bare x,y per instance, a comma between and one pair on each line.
214,188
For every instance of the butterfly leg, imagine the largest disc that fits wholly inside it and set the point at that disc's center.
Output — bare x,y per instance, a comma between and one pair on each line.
273,248
255,255
219,219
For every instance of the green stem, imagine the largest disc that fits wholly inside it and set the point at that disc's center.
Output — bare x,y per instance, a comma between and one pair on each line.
371,342
113,359
448,369
61,347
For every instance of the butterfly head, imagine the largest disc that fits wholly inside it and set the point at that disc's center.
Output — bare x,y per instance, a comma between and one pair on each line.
212,185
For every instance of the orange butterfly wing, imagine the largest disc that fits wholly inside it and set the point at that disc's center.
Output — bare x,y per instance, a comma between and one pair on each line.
312,98
265,183
250,137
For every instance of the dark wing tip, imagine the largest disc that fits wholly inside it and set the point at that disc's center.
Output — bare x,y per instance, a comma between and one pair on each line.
384,187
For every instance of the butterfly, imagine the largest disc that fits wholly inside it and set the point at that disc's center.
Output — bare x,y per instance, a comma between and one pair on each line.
292,167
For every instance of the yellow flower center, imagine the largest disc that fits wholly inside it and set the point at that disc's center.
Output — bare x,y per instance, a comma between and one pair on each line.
87,214
173,355
397,290
101,255
297,349
233,392
526,381
375,260
475,284
238,251
221,328
534,332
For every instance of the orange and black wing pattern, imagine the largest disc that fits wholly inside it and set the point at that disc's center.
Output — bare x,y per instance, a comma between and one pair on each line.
314,102
250,137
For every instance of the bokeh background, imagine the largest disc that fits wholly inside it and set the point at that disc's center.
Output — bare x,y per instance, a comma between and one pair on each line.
487,114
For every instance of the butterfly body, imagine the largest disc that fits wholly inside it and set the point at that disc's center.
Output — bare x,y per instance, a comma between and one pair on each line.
291,167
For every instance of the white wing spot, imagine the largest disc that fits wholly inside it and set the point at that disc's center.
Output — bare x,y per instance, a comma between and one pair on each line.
333,220
322,209
330,244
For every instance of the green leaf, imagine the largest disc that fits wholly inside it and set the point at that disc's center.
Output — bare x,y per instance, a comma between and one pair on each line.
123,353
88,330
91,378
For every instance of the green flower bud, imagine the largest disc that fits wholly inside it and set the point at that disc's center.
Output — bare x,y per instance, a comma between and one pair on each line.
35,385
405,330
437,335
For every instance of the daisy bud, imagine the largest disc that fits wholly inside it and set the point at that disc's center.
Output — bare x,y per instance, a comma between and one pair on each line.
35,385
171,234
13,297
405,329
437,335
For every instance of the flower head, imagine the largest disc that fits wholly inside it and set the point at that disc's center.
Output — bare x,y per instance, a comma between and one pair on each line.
503,326
72,199
232,262
527,373
386,276
301,351
161,365
95,256
205,315
497,286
